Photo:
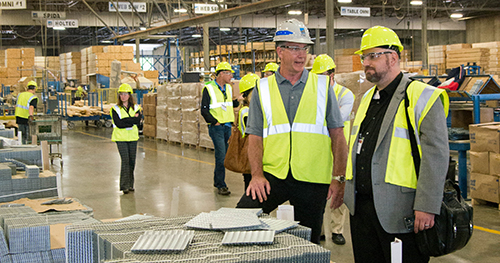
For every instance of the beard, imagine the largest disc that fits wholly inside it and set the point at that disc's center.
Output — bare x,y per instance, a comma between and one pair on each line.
376,76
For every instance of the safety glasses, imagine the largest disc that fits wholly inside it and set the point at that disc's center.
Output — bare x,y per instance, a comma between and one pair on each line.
373,55
296,49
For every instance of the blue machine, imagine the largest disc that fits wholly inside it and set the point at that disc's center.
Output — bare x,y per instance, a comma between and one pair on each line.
472,69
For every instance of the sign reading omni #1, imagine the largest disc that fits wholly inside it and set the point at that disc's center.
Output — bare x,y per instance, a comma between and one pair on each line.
126,7
207,8
355,11
63,23
48,15
12,4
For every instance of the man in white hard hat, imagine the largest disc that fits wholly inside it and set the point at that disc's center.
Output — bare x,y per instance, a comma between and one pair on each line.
295,128
383,185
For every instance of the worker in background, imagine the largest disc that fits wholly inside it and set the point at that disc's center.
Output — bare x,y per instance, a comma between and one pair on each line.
334,220
382,188
295,128
126,116
270,69
80,93
247,84
25,109
217,109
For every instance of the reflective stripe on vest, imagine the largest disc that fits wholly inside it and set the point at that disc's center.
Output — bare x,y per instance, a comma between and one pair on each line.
125,134
303,147
23,104
241,124
421,97
217,101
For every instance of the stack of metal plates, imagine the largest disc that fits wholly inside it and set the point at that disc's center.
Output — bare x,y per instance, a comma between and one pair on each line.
248,238
163,241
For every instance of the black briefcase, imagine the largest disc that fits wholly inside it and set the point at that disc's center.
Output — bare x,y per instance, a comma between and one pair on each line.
452,228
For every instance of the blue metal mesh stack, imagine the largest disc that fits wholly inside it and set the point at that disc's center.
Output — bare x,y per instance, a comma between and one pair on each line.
26,155
7,133
33,185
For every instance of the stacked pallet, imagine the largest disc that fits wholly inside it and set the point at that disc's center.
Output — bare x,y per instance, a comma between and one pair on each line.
437,56
190,107
161,113
494,58
51,63
70,65
10,70
347,61
27,61
99,58
174,113
149,109
480,56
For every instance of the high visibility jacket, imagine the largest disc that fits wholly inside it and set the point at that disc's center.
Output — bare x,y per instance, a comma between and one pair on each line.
400,167
305,145
79,92
221,107
23,104
241,116
126,134
341,91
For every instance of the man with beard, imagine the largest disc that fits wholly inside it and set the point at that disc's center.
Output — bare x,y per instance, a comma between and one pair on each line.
294,126
382,187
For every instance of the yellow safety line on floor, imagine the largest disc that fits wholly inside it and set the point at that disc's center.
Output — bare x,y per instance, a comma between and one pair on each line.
145,148
487,230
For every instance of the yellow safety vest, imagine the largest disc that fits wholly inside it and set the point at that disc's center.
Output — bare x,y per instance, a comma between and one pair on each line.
341,91
220,107
241,124
400,168
305,145
126,134
23,104
79,92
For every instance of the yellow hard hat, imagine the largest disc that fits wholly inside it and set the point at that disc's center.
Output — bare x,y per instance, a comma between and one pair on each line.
249,81
224,66
32,83
379,36
323,63
125,88
271,67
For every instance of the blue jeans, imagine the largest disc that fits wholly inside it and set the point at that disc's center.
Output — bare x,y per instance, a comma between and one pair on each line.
220,136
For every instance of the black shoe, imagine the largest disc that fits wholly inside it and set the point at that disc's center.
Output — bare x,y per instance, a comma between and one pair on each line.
131,189
322,238
338,239
125,192
223,191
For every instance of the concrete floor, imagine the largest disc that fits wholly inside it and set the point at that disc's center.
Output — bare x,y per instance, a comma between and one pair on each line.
91,173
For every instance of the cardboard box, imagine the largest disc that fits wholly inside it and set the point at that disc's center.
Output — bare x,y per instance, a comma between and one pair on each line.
480,162
494,164
484,187
14,63
485,137
13,72
27,53
464,118
13,53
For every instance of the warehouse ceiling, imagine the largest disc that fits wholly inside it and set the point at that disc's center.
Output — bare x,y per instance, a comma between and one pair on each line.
14,35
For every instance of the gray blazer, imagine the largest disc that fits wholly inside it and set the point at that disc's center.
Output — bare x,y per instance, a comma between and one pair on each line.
392,202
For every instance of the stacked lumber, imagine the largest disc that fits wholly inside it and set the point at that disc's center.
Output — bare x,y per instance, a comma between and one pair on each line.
494,58
480,56
347,64
437,56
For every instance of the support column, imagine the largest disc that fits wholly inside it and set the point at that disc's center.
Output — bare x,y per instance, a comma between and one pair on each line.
317,45
424,35
330,25
206,47
137,50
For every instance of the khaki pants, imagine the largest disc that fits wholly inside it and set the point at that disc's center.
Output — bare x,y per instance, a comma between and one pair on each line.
334,220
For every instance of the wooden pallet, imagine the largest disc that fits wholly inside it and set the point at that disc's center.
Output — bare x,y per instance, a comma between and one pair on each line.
476,201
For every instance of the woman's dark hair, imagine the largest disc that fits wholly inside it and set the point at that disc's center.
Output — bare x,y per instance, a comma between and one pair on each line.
131,101
331,71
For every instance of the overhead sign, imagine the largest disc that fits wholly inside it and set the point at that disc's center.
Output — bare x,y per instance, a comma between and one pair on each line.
12,4
47,15
69,23
355,11
126,7
207,8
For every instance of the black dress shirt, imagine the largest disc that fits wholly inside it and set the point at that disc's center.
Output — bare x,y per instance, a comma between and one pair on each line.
369,131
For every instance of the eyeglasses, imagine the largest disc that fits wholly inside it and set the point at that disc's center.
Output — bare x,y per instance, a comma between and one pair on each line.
373,55
124,93
296,49
227,72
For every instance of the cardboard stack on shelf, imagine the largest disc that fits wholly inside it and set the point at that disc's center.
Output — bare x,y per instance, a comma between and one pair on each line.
494,58
437,56
190,107
161,113
149,110
485,161
51,63
73,65
174,113
99,59
11,61
27,61
461,54
347,61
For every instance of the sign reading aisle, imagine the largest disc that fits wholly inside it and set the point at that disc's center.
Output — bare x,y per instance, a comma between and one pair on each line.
12,4
355,11
63,23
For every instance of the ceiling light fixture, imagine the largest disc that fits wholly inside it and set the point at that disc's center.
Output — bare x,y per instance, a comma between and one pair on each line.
142,28
225,29
196,35
344,1
456,15
106,41
295,12
59,28
181,10
413,2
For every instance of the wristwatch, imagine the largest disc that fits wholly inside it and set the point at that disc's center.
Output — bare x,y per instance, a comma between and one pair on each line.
340,178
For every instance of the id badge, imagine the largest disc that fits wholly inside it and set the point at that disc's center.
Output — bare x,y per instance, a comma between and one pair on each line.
360,144
224,108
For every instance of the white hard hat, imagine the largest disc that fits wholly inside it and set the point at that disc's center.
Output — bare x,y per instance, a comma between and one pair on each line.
292,31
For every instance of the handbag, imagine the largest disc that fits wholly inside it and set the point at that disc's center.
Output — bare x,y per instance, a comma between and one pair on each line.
453,226
237,153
